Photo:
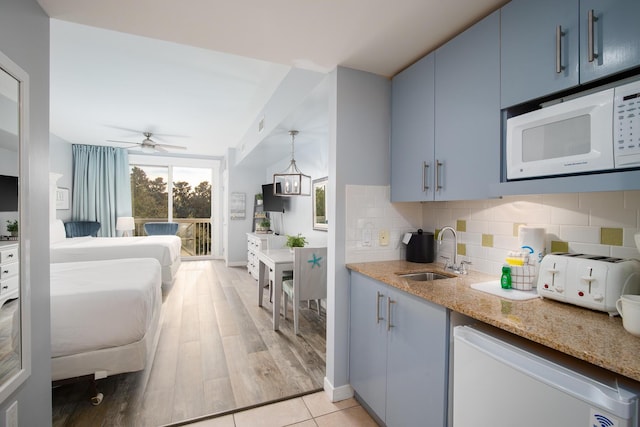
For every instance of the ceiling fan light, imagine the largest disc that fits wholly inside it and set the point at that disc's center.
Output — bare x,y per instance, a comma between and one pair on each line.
147,149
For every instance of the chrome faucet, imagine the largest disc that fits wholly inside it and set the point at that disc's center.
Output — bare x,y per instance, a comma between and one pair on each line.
455,267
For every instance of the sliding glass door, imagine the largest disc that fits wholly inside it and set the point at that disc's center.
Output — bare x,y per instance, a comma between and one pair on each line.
189,204
192,208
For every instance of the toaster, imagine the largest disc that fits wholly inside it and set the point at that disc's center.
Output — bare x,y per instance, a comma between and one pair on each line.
590,281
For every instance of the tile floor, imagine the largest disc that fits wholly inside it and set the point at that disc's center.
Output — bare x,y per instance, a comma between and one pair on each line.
313,410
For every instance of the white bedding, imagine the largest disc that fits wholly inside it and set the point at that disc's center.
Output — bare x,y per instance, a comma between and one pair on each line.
165,249
103,304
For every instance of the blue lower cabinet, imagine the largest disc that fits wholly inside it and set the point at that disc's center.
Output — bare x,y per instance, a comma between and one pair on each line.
398,354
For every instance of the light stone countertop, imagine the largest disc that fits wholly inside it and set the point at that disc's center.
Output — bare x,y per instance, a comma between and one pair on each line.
588,335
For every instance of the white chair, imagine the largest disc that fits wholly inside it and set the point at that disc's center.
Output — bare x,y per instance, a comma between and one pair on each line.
309,280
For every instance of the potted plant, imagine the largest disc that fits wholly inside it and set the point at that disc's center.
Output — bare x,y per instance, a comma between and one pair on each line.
296,241
264,225
258,199
12,227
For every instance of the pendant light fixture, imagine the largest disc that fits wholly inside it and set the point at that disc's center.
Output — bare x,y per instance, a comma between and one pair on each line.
292,182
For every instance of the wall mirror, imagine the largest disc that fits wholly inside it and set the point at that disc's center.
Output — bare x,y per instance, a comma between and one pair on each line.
319,209
15,339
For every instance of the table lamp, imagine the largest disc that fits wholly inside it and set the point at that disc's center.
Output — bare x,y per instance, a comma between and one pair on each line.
125,224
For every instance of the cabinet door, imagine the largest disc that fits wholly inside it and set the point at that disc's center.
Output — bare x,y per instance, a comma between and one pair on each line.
368,342
529,48
412,132
616,37
467,107
416,362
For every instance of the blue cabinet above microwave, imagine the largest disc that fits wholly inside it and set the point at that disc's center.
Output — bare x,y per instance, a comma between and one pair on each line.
549,46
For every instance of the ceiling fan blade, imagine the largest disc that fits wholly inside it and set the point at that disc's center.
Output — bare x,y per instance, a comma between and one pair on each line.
159,149
123,142
174,147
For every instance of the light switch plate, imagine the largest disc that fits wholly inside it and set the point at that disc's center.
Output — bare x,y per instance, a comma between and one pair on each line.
383,237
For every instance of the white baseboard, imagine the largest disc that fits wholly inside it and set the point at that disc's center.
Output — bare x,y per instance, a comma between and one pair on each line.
337,393
237,264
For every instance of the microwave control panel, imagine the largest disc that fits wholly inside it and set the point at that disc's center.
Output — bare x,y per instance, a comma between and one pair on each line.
627,125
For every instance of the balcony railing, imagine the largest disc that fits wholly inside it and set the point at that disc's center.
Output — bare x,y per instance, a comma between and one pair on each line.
195,234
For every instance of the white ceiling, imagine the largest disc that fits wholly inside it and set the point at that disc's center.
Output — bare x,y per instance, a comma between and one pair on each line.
202,69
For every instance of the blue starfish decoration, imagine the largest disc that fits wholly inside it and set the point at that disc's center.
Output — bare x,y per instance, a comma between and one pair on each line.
315,261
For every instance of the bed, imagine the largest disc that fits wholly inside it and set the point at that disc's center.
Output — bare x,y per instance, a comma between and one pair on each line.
165,249
105,317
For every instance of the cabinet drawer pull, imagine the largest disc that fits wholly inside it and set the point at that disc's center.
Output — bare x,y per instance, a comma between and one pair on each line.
389,302
438,164
559,35
378,297
591,19
425,166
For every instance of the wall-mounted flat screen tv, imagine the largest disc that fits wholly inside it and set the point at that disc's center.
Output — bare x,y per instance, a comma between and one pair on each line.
8,193
271,202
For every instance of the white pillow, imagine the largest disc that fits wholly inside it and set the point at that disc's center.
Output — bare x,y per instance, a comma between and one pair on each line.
57,232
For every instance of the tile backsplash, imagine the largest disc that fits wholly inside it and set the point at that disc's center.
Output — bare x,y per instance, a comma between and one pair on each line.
602,223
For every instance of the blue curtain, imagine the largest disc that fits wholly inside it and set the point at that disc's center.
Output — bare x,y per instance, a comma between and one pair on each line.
101,186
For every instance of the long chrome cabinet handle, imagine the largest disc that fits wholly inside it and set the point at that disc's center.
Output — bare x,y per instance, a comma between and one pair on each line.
425,166
379,296
438,164
559,35
591,19
389,302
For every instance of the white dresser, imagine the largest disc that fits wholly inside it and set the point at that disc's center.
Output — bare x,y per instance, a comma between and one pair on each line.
255,243
9,271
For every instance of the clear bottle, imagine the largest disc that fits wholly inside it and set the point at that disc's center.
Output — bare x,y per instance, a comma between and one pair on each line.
505,280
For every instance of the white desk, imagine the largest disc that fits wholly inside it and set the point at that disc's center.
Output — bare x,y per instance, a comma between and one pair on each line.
273,263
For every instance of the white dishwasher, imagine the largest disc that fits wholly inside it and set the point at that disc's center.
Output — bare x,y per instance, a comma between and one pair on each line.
500,380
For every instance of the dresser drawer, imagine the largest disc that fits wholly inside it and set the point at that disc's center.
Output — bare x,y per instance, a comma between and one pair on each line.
9,255
8,286
9,270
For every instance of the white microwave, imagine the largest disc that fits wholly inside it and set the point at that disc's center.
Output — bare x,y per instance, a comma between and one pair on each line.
595,132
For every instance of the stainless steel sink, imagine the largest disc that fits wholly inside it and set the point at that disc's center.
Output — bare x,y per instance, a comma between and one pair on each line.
425,276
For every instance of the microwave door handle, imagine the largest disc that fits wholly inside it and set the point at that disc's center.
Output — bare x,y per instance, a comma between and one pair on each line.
559,35
591,19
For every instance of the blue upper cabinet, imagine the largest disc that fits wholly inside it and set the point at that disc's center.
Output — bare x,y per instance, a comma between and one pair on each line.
445,120
467,107
609,37
412,132
539,48
548,46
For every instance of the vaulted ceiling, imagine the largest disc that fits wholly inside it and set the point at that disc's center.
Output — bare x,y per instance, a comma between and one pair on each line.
200,71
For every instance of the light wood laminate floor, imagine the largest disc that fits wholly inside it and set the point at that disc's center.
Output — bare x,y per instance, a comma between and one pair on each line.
217,352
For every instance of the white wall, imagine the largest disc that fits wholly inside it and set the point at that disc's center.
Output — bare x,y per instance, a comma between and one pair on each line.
24,37
61,161
359,129
245,180
298,216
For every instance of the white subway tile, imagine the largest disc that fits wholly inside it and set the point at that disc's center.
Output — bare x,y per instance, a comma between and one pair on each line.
505,242
569,201
611,199
632,199
580,234
590,249
569,216
611,216
628,238
624,252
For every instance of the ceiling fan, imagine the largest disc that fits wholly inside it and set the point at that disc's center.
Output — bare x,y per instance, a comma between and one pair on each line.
148,145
